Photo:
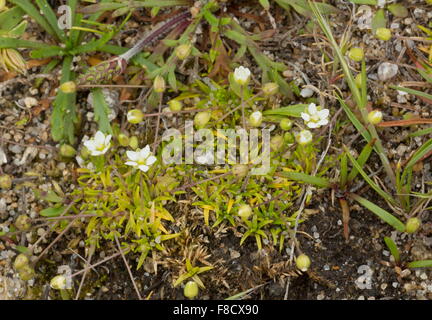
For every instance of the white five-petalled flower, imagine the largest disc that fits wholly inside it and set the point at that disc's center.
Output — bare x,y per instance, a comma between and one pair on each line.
315,118
99,145
242,75
141,159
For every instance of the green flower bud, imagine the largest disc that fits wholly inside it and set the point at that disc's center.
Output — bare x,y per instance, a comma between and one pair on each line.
133,142
68,87
5,181
412,225
255,119
303,262
67,151
175,105
123,140
201,119
159,85
21,261
135,116
356,54
191,289
183,51
276,143
286,124
240,170
26,273
289,138
85,153
270,88
358,80
245,211
58,282
375,116
23,222
384,34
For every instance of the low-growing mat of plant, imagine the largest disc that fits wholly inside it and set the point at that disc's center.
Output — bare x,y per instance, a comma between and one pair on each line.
215,149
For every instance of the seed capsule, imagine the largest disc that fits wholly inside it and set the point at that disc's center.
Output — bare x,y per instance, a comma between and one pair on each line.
133,142
123,139
276,143
175,105
201,119
384,34
58,282
286,124
183,51
255,119
240,170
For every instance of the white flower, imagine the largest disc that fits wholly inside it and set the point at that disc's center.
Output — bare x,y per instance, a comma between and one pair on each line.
141,159
242,75
99,145
304,137
315,118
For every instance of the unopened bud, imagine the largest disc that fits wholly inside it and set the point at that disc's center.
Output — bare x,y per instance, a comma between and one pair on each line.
21,261
123,140
23,222
412,225
133,142
356,54
255,119
135,116
191,289
303,262
58,282
270,88
175,105
67,151
26,273
183,51
286,124
276,143
245,211
240,170
201,119
375,116
5,181
384,34
68,87
159,85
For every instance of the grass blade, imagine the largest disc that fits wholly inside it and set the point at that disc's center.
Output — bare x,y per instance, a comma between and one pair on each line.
362,159
393,248
381,213
420,264
306,178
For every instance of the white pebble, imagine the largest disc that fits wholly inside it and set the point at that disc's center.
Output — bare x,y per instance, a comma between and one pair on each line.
387,71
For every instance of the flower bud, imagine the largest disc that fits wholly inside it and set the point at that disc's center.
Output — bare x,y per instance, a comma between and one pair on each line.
240,170
201,119
384,34
286,124
175,105
21,261
412,225
84,153
183,51
123,140
356,54
358,80
26,273
133,142
276,143
191,289
303,262
58,282
255,119
289,138
242,75
375,116
68,87
135,116
23,222
304,137
5,181
67,151
270,88
245,211
159,85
